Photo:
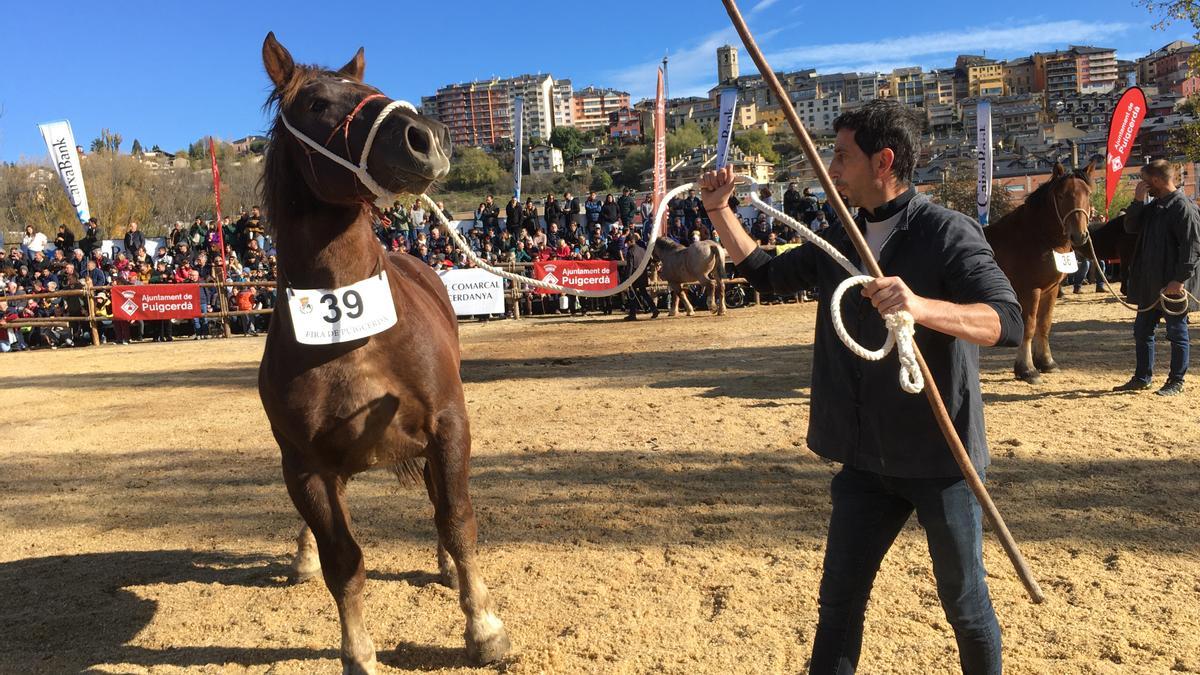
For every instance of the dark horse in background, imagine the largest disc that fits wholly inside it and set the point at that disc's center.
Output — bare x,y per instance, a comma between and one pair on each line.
392,400
1112,242
1053,219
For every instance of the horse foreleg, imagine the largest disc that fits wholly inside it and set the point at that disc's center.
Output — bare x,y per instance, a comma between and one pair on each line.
307,564
683,295
1042,358
676,290
446,567
1023,368
320,498
448,460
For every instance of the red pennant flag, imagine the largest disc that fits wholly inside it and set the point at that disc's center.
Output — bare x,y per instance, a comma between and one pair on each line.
660,149
212,153
1122,130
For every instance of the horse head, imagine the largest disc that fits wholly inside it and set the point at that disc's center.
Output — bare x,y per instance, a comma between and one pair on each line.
336,110
1070,197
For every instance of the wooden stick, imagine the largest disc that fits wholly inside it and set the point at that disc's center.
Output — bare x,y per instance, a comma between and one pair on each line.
864,252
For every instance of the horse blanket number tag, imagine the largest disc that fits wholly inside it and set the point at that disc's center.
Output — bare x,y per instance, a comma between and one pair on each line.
328,316
1065,262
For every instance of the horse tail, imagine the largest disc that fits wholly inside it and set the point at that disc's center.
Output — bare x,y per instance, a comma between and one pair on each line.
720,262
410,471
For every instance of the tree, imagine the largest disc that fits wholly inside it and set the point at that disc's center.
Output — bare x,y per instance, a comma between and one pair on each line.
756,142
958,191
1121,199
107,142
1186,139
136,149
638,159
684,139
601,181
473,168
569,140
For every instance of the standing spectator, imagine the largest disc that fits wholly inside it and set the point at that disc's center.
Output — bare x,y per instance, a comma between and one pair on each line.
253,228
208,303
134,239
245,302
417,214
91,237
198,234
570,208
489,214
691,210
627,207
1164,265
513,216
610,213
808,207
33,242
553,211
529,218
592,207
647,211
791,201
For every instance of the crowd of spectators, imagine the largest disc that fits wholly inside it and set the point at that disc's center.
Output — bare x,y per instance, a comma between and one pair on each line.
570,228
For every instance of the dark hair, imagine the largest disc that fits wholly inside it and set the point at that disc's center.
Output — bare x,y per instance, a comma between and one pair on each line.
1161,169
886,124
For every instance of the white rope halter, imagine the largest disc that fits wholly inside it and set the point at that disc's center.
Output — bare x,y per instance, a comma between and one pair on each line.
384,198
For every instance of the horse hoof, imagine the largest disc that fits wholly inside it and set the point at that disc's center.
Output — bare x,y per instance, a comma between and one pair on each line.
1048,367
489,642
1030,378
296,577
359,667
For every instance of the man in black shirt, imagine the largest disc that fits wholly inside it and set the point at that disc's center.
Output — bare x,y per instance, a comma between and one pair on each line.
939,268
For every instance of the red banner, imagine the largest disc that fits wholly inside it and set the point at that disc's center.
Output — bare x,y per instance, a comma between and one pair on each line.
212,152
660,146
586,275
154,302
1122,130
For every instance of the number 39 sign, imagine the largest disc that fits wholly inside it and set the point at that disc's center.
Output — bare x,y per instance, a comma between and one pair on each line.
332,316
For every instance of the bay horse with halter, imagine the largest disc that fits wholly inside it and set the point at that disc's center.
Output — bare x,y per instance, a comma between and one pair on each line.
1052,221
702,262
393,399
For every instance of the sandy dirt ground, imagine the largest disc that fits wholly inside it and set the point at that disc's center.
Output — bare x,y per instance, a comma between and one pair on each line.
646,505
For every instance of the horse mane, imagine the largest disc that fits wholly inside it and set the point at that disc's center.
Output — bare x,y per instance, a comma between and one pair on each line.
278,177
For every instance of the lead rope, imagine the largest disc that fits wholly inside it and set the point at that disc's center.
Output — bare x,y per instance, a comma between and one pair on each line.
900,325
1163,298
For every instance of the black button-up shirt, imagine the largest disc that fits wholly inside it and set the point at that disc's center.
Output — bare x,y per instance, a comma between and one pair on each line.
858,414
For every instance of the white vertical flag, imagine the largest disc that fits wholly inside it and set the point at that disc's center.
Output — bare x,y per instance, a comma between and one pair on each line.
61,143
983,151
518,143
728,106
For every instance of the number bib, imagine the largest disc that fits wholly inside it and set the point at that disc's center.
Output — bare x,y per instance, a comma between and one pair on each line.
1065,262
332,316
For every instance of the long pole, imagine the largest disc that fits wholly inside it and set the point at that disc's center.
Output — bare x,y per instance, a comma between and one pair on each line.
864,252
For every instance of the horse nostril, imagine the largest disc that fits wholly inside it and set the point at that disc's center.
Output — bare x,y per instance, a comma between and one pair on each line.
419,140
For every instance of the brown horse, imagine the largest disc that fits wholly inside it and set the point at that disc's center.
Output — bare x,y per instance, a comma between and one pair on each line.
702,262
393,399
1054,219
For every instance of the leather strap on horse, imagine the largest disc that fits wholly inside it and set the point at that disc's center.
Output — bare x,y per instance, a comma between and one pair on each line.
931,389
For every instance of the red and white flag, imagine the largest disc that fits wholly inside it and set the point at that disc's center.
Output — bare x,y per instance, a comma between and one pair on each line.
1122,131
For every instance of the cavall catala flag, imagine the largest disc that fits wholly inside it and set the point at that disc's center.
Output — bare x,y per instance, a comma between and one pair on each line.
728,106
1122,130
61,143
152,302
983,152
586,275
660,145
518,125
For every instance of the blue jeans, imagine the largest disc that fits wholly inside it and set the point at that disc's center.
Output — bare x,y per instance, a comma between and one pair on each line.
1143,339
869,510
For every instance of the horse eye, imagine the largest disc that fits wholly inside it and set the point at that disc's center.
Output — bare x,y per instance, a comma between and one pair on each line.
318,106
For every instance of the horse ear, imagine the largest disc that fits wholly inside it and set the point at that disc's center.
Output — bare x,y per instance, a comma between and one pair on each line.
355,67
1059,169
277,60
1091,168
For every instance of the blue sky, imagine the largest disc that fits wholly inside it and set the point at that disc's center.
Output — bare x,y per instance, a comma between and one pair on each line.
172,72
